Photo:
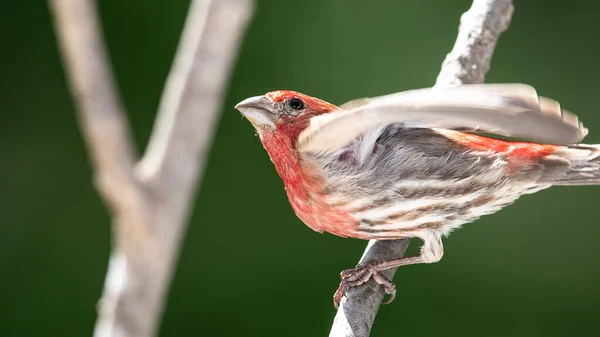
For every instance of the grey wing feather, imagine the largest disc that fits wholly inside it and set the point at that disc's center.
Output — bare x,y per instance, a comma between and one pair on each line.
511,110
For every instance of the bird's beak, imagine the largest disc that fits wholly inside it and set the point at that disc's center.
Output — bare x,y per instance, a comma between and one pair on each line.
257,110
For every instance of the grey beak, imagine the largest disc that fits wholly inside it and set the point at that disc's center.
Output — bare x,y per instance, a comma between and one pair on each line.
257,110
257,102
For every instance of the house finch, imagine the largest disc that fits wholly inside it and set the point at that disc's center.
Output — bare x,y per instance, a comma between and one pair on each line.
414,163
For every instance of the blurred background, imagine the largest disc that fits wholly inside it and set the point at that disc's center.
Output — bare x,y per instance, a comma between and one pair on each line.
249,267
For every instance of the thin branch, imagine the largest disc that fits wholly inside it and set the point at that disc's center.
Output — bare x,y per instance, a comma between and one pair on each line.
194,90
480,28
468,62
101,115
150,203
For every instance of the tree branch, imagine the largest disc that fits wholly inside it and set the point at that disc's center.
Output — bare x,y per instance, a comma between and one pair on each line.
468,62
150,203
480,28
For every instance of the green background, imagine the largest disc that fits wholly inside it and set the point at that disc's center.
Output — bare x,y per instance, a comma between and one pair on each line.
249,267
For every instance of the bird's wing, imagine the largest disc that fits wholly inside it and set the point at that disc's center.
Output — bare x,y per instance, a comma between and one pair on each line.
511,110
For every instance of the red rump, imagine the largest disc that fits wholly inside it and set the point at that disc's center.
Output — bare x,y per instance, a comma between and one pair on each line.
520,150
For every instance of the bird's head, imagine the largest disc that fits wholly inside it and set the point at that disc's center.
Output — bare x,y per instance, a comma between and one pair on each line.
285,113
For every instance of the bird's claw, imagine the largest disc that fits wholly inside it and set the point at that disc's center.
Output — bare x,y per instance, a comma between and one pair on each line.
356,276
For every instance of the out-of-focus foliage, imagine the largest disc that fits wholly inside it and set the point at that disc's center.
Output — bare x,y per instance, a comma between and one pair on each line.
249,266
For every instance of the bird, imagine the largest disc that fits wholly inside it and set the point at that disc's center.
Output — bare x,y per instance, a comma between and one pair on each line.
419,163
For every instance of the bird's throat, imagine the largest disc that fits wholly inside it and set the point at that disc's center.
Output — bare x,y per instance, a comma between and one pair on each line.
287,162
304,186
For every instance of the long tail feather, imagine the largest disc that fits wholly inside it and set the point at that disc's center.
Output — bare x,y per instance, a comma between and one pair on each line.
583,165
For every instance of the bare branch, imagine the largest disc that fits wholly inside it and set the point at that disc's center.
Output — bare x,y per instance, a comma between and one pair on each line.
194,91
101,115
480,28
150,203
468,62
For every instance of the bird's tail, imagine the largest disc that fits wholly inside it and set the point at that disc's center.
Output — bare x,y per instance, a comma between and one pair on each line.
574,165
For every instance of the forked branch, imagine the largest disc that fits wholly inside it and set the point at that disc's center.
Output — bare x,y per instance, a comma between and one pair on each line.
150,202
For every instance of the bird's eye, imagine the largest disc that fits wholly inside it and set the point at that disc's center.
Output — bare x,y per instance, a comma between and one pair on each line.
296,103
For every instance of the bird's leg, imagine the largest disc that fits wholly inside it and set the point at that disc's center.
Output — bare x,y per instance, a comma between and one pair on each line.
431,252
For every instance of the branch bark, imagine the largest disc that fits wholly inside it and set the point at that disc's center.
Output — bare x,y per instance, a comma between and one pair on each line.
468,62
149,202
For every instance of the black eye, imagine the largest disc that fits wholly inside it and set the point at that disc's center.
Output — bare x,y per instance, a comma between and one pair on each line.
296,103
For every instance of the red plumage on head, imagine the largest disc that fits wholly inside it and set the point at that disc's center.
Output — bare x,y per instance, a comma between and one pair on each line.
313,104
291,126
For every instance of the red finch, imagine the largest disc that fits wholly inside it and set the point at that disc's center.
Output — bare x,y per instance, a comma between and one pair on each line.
414,163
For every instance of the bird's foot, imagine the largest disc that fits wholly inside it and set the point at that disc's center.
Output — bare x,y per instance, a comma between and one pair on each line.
356,276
